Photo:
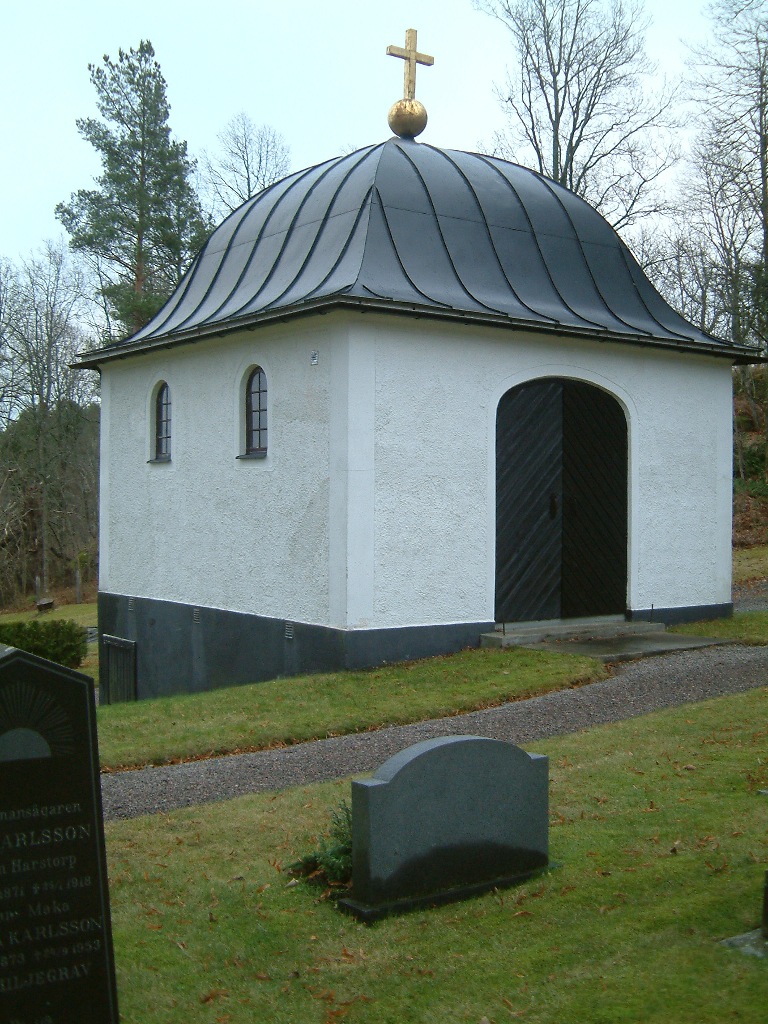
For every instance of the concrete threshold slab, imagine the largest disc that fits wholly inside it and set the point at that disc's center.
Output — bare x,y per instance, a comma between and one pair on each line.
600,627
626,648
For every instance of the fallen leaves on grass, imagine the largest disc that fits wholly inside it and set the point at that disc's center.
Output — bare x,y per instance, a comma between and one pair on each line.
511,1008
213,995
337,1008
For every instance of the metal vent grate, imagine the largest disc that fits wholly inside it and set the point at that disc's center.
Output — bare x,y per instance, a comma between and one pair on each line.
289,631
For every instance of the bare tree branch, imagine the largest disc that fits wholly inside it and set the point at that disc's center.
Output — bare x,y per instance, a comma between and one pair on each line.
251,158
578,110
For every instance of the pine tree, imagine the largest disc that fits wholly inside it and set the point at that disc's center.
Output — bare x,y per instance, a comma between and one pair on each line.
143,223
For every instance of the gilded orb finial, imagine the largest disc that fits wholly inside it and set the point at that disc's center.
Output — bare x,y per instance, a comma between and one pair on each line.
408,117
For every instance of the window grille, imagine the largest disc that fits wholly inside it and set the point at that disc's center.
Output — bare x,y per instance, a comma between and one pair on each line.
256,413
163,423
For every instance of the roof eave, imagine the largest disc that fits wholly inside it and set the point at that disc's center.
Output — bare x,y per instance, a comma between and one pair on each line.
736,354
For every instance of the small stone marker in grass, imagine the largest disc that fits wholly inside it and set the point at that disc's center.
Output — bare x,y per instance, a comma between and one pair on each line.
754,943
56,958
446,819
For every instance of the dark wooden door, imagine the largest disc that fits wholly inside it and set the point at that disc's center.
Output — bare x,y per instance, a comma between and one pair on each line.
529,468
561,502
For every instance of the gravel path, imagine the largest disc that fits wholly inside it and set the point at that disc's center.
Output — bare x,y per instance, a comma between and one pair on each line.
636,689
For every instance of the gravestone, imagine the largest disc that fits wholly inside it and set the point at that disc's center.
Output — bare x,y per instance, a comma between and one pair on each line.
445,819
56,957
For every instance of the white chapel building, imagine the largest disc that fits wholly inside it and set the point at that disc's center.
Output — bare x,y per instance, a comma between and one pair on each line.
399,397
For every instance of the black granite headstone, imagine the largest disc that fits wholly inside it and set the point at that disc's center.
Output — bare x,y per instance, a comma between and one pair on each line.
445,819
56,958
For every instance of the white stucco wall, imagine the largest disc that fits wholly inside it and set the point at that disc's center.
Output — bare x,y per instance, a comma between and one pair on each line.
376,503
206,528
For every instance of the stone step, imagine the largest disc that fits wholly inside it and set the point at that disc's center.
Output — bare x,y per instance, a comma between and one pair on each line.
626,648
598,627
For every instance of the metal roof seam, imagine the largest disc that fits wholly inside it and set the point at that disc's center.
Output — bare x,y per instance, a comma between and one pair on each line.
448,155
448,254
632,267
364,210
260,235
174,301
390,237
225,252
547,270
552,187
326,170
323,222
255,203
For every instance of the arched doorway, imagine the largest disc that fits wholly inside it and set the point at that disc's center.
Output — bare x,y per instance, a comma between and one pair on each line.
561,502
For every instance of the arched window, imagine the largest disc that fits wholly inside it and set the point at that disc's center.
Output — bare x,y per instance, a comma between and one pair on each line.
256,413
163,423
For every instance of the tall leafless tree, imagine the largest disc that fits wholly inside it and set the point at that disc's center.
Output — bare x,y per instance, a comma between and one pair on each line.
48,449
250,158
578,107
730,83
713,265
7,363
706,258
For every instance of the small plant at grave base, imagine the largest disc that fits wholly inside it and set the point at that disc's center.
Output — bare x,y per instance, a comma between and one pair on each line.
331,863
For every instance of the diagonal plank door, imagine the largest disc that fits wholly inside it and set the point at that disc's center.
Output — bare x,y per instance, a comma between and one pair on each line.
529,430
594,580
561,502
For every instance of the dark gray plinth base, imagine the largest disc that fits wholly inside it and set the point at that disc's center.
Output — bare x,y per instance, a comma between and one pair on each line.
752,943
369,914
674,616
181,648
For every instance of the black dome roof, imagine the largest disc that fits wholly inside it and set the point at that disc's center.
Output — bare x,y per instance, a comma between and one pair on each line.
409,228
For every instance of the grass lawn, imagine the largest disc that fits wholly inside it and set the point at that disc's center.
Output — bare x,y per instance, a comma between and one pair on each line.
661,835
744,627
286,711
83,614
750,564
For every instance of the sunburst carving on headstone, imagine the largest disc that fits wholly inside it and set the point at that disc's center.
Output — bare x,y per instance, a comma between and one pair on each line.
33,724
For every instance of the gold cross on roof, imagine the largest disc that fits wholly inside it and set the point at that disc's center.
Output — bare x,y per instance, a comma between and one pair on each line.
411,57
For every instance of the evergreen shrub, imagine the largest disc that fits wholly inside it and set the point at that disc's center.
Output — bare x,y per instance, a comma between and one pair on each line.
59,640
331,863
753,461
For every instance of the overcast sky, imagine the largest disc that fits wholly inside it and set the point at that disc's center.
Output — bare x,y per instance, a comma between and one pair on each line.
315,71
